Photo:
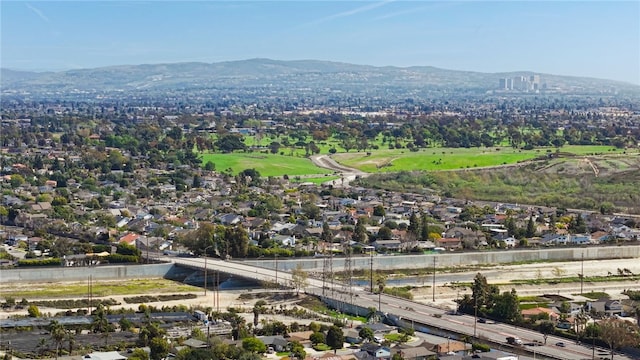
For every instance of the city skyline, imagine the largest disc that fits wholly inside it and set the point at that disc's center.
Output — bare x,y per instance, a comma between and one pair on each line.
592,39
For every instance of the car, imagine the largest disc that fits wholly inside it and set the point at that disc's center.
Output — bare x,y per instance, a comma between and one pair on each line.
560,344
482,321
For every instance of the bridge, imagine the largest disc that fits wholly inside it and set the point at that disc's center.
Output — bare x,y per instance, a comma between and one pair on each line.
403,312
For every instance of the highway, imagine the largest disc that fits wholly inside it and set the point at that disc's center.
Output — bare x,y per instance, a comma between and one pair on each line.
409,311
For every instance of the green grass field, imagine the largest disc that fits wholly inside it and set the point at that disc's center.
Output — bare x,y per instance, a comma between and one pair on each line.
433,159
99,288
315,180
266,164
291,160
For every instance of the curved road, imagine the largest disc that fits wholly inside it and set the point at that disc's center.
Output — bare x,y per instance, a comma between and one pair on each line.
347,174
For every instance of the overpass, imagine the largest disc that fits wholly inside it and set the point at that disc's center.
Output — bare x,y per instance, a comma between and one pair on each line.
402,312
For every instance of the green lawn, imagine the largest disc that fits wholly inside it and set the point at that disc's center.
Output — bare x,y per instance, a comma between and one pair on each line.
434,158
99,289
291,160
266,164
315,180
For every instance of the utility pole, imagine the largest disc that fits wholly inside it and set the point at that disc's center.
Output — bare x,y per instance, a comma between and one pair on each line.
434,279
371,270
475,316
218,290
348,270
582,273
205,269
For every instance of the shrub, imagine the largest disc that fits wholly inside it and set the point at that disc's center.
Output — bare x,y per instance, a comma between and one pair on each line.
43,262
481,347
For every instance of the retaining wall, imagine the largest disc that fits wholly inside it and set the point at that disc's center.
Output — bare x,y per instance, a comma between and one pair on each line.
457,259
108,272
168,270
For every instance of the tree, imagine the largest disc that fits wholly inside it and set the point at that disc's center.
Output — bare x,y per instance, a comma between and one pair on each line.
274,147
531,228
618,333
577,225
507,307
16,180
414,225
317,338
546,328
607,208
299,278
297,350
366,334
254,345
148,332
384,233
210,166
380,282
359,232
335,338
483,294
125,324
378,210
58,334
327,234
159,348
230,142
101,323
258,308
139,354
33,311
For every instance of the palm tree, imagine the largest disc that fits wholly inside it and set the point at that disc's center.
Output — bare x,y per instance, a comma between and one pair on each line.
381,282
71,340
101,323
42,344
58,334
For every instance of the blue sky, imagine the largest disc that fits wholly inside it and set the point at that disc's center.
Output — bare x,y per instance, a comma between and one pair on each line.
584,38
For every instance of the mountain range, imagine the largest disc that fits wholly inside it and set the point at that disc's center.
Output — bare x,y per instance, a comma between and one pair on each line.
284,76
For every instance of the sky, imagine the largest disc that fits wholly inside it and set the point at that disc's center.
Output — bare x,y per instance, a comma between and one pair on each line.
583,38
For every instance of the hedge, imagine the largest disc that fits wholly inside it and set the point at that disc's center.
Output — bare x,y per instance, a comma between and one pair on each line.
37,262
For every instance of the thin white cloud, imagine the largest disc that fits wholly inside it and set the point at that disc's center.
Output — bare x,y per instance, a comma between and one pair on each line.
431,6
351,12
38,12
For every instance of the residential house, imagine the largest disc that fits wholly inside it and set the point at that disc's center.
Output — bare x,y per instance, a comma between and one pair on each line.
377,328
195,343
510,242
393,245
535,313
555,239
600,236
449,243
285,240
301,336
605,307
352,336
581,239
413,352
373,351
104,355
129,239
469,237
230,219
277,342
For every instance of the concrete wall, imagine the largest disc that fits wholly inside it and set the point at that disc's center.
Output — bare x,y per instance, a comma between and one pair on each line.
114,272
458,259
110,272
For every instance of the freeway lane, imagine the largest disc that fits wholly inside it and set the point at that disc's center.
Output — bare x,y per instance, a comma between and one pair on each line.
406,309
